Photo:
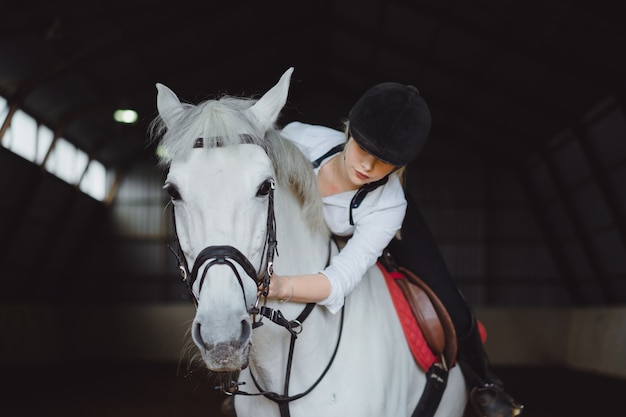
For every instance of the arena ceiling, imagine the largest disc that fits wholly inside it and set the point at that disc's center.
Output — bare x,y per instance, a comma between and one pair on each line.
501,77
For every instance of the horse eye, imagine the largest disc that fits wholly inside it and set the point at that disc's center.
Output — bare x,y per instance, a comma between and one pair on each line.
173,192
265,188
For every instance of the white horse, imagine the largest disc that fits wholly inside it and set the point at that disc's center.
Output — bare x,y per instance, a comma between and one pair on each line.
225,158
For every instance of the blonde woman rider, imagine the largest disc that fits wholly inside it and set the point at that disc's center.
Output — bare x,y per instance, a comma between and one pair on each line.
358,174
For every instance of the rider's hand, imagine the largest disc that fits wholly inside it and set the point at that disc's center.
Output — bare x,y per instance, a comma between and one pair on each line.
281,287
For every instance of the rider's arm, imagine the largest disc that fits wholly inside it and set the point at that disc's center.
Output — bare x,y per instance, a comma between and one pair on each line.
309,288
375,227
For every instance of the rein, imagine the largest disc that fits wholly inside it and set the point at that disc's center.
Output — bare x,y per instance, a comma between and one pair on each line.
284,399
295,328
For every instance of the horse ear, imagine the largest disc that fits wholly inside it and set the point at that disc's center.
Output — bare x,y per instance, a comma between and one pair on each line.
168,105
268,107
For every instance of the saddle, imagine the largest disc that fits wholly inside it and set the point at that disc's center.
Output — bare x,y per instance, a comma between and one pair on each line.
426,323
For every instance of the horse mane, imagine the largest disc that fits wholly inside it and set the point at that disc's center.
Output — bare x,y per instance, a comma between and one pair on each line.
221,122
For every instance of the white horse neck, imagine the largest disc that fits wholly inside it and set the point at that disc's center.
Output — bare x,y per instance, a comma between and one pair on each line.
301,250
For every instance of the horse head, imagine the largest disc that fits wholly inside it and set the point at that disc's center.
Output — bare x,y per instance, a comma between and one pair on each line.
222,156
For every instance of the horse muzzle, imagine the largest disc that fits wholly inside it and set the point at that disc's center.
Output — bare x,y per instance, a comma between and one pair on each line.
226,355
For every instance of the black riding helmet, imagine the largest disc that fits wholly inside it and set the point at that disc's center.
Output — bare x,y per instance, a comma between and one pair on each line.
391,121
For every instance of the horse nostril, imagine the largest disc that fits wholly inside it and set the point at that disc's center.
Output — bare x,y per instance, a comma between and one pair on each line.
244,337
246,330
197,336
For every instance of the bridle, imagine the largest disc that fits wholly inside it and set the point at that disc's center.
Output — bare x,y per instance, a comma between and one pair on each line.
229,255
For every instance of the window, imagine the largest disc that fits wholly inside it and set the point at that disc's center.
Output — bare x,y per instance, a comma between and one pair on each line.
24,135
3,108
32,141
94,181
44,140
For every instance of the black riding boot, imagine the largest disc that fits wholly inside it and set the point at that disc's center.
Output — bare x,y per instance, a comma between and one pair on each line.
486,390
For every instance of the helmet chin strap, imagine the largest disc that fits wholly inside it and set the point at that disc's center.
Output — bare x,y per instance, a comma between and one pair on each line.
361,192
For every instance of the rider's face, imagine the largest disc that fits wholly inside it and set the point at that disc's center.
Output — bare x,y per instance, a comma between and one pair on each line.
362,167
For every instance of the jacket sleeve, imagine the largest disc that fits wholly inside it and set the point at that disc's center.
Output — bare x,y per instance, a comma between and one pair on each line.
373,232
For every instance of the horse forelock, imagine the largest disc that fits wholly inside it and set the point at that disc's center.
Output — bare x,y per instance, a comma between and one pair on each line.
221,122
226,122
